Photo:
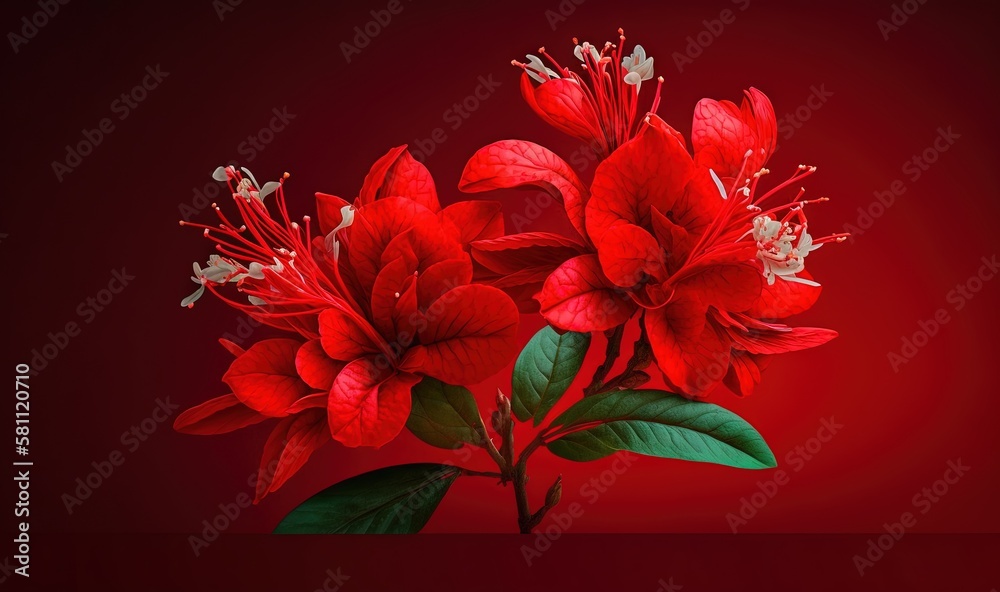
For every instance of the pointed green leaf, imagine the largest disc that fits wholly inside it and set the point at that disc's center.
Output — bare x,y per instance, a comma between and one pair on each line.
544,370
393,500
445,416
661,424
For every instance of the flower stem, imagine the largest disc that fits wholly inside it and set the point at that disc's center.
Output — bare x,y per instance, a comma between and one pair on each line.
610,356
634,374
470,473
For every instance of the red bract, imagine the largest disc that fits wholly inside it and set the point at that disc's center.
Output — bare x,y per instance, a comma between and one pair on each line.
381,297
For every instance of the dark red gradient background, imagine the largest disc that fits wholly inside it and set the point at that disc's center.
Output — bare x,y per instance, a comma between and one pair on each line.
120,208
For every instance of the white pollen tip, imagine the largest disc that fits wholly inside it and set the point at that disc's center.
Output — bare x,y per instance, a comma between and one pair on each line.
397,294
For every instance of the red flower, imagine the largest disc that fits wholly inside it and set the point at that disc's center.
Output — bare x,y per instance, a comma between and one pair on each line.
699,253
599,107
382,297
685,239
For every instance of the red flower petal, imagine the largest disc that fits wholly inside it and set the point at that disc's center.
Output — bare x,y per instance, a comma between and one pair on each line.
471,334
217,416
473,220
629,255
779,342
423,246
375,226
368,404
783,299
288,448
399,174
732,287
652,170
392,280
265,379
315,367
231,347
744,373
441,277
513,163
312,401
562,104
721,134
691,352
342,337
515,252
577,297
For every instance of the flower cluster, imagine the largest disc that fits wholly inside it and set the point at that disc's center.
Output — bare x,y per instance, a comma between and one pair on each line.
381,296
687,240
389,288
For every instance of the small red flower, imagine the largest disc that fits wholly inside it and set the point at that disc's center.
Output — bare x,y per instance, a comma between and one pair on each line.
598,107
381,297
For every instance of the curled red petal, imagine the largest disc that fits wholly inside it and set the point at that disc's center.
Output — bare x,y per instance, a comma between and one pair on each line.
217,416
375,226
369,403
629,255
652,170
288,447
474,220
342,337
315,367
577,297
515,163
397,173
265,378
779,342
692,353
515,252
470,334
783,299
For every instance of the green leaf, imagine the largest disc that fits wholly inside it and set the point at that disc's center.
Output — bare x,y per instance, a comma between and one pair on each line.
544,370
445,416
393,500
661,424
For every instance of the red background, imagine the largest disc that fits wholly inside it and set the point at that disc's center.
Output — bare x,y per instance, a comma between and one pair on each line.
120,207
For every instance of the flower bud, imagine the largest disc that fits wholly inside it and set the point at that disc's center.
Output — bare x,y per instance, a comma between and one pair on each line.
555,493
